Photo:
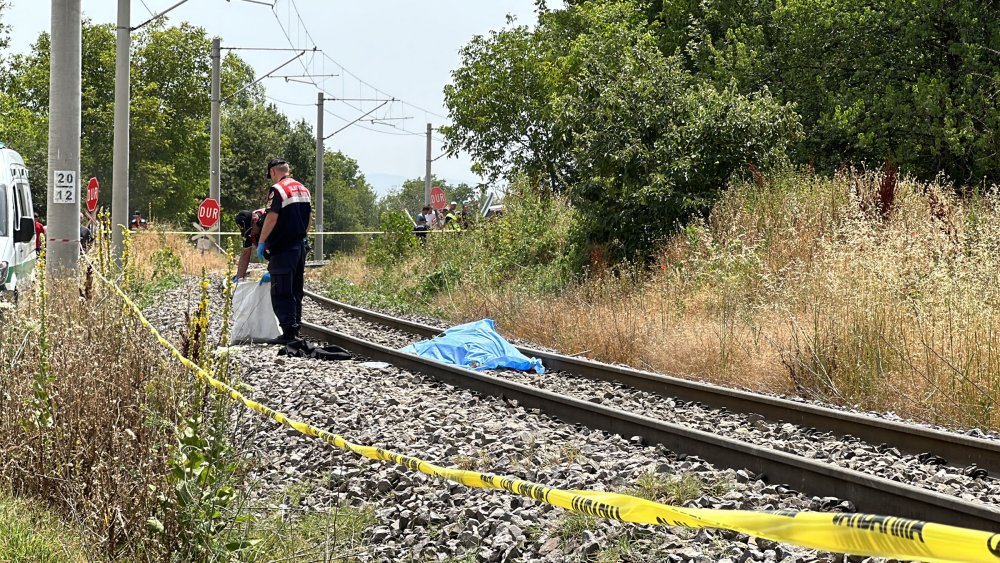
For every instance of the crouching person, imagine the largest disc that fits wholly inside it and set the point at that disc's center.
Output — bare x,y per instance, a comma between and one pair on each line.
250,224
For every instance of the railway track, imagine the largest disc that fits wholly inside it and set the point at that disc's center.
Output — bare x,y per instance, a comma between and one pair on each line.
871,493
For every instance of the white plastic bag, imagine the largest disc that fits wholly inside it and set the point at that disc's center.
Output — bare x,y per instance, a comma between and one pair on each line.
253,317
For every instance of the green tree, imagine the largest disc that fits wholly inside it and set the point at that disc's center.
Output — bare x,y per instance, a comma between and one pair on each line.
300,152
635,138
252,134
169,113
499,107
172,71
348,200
913,81
169,141
4,28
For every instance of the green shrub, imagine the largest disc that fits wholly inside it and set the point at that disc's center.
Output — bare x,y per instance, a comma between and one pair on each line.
396,243
537,242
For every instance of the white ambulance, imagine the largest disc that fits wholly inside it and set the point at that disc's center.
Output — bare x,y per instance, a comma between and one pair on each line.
17,223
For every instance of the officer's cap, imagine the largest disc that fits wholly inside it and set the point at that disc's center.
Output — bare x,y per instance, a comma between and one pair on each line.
272,163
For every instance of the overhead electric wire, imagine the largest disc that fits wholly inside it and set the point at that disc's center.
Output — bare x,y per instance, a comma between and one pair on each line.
143,2
403,134
366,114
304,29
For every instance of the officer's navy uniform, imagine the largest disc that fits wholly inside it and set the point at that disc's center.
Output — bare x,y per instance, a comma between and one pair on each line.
291,202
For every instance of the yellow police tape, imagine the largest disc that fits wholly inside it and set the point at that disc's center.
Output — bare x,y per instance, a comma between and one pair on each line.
859,534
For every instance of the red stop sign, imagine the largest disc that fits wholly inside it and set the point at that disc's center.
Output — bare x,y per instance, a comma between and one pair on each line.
208,213
92,191
438,199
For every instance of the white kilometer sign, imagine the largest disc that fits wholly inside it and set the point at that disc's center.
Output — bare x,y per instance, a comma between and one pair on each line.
65,186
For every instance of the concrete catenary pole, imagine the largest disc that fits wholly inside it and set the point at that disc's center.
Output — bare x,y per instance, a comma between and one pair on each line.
119,173
319,176
65,72
427,175
214,187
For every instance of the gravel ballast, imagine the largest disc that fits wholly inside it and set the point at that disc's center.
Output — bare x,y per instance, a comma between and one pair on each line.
420,518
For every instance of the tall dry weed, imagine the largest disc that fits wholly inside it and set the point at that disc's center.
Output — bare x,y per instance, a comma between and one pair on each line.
869,290
866,290
146,242
907,311
99,458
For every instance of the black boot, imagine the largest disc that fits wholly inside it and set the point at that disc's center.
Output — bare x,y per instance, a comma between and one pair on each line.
288,335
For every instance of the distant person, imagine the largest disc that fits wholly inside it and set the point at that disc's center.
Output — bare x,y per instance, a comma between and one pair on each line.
451,222
433,220
421,228
289,214
425,213
39,234
86,238
466,217
250,224
137,221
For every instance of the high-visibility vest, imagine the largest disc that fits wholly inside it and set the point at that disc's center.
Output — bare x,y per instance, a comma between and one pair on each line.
291,191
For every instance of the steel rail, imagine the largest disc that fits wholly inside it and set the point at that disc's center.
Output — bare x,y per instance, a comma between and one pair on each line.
957,449
869,493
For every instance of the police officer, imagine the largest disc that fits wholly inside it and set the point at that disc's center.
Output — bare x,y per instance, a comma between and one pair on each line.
250,224
289,214
451,222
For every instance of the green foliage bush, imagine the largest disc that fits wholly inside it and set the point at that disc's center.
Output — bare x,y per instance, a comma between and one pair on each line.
536,246
396,243
537,243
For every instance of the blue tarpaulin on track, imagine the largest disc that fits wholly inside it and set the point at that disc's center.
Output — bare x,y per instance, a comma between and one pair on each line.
477,346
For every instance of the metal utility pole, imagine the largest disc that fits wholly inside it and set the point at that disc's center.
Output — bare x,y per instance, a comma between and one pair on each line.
65,74
119,174
427,176
214,189
319,175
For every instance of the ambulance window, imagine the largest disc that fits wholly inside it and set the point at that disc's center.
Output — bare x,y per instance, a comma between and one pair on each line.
24,199
3,212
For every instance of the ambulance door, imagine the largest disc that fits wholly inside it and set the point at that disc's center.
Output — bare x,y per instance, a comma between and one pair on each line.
7,259
24,230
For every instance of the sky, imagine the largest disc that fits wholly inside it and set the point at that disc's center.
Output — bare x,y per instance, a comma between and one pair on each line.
400,50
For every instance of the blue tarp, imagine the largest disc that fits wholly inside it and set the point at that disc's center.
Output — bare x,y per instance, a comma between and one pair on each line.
474,345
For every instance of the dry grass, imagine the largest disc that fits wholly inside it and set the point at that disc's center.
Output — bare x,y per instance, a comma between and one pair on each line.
344,266
146,242
82,389
866,290
806,286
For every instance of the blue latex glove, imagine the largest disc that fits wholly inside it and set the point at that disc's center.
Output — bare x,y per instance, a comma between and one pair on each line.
266,278
236,280
260,250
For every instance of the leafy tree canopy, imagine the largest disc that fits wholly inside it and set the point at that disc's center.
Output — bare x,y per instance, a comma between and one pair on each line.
912,81
169,140
589,102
